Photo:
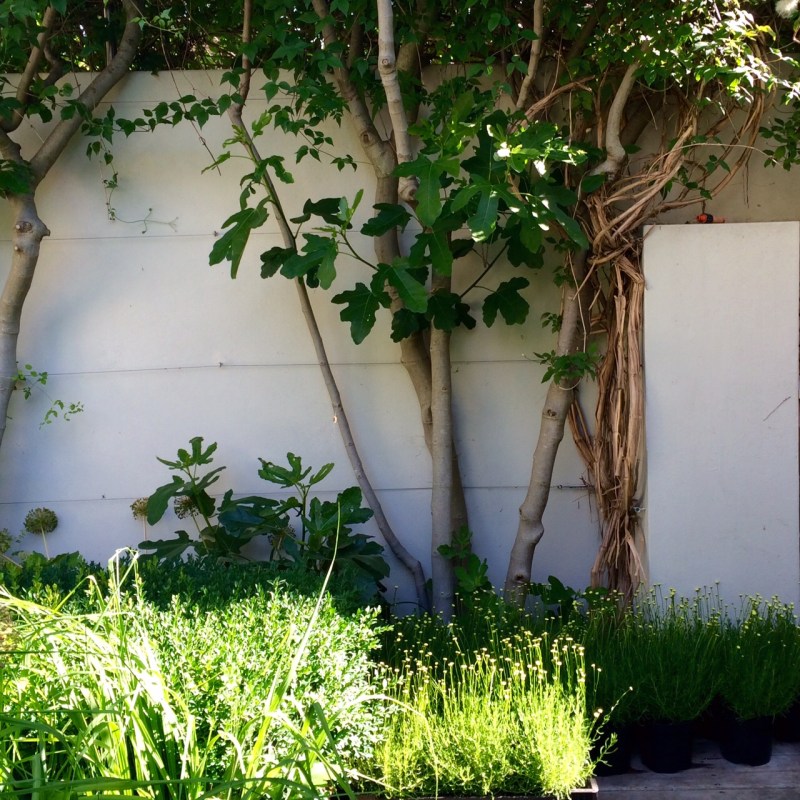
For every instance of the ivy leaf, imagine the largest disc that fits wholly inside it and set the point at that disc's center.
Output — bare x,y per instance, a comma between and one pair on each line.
572,228
360,308
230,246
462,197
460,247
169,549
531,237
405,323
507,300
429,201
592,183
441,255
389,216
158,502
327,208
15,178
427,172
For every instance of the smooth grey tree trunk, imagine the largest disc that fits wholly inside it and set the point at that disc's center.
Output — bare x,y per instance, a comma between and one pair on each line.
571,339
28,228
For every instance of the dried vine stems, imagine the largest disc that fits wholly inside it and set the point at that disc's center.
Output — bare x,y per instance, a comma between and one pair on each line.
613,217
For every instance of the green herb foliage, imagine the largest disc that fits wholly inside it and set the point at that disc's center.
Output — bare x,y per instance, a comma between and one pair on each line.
761,658
109,692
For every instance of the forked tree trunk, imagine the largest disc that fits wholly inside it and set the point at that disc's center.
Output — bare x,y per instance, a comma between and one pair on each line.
331,385
415,352
571,339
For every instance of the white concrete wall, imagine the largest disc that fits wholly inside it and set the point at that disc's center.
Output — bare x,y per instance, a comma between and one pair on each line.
159,347
721,357
130,320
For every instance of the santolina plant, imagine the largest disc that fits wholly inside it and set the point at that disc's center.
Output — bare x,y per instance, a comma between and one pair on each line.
760,658
511,716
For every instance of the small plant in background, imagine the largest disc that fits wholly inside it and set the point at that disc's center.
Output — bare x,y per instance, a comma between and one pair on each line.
224,530
6,540
139,512
41,521
675,648
563,604
471,573
27,378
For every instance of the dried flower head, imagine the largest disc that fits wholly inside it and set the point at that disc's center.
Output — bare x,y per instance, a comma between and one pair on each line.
184,507
40,520
139,508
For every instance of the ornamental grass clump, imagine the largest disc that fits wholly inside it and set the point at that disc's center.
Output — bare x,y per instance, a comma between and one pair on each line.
761,659
510,719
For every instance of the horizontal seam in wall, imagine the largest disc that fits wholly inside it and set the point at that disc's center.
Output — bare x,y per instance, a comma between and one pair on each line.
214,234
299,365
266,493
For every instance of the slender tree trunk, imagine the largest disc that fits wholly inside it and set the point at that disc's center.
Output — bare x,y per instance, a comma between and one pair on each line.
29,231
442,462
571,339
415,355
332,387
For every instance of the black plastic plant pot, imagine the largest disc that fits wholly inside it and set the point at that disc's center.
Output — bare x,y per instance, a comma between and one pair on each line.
748,741
667,746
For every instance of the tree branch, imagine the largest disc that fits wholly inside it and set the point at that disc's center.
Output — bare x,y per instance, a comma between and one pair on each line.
586,31
526,90
615,152
340,416
376,149
38,52
387,68
56,142
560,394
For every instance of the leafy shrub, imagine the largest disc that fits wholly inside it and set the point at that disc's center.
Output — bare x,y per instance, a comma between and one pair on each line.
37,577
323,527
760,657
510,720
490,702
